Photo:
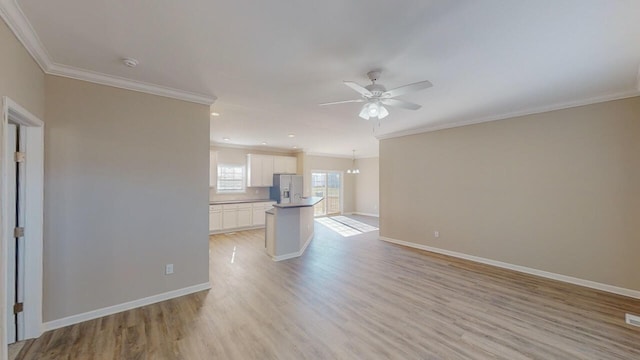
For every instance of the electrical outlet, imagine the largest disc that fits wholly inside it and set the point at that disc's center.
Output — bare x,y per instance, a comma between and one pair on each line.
168,269
632,319
436,234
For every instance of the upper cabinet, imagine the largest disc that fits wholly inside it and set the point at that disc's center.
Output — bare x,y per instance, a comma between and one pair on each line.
260,168
285,165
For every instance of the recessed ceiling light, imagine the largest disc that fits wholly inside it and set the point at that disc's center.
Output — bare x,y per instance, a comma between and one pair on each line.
295,147
226,139
291,135
215,114
264,143
130,62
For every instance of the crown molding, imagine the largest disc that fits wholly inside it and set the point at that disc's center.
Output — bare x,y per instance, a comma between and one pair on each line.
532,111
339,156
22,29
256,148
123,83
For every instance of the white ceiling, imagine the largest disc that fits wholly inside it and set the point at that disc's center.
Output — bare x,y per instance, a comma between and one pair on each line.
269,63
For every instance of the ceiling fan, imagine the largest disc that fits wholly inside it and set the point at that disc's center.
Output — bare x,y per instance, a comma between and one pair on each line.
376,96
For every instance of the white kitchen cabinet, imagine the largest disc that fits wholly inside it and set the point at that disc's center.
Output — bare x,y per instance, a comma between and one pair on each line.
244,216
259,209
257,217
285,165
259,170
229,216
215,218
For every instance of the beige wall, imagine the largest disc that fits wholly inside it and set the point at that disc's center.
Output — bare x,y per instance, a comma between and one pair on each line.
312,162
22,80
367,186
126,185
557,191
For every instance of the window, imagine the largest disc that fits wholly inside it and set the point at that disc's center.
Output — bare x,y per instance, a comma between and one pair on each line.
231,179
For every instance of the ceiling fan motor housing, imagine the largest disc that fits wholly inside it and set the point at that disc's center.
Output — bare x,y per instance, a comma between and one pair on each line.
376,89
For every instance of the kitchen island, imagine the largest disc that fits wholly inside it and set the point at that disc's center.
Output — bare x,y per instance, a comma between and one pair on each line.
290,228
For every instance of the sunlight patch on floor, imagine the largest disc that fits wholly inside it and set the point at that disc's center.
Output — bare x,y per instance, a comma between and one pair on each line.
360,226
338,227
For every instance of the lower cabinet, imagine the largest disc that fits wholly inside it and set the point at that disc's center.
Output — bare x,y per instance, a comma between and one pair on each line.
244,217
229,218
215,218
258,212
237,216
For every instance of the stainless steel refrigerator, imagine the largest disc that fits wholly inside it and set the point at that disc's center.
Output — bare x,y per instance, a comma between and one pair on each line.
286,189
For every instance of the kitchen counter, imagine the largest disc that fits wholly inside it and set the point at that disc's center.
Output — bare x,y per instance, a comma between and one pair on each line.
310,201
222,202
290,228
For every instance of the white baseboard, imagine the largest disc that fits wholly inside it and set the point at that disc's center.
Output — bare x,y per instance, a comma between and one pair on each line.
523,269
94,314
294,254
366,214
227,231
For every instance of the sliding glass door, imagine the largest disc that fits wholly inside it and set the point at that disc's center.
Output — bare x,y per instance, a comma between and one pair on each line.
327,184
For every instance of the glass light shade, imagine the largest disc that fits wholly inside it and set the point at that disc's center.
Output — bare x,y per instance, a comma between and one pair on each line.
364,113
373,110
382,112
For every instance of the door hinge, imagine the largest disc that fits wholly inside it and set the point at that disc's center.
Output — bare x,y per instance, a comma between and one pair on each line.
18,232
20,156
18,308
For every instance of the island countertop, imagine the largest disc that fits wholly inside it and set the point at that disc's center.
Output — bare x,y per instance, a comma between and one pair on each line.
304,202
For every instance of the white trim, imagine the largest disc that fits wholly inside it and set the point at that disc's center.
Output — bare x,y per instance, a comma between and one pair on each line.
34,170
523,269
339,156
94,314
122,83
294,254
280,151
232,230
366,214
538,110
18,23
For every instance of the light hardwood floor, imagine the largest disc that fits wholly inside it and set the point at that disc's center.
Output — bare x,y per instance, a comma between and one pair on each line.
357,298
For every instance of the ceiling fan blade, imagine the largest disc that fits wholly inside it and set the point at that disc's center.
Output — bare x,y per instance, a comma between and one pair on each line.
359,88
343,102
420,85
401,104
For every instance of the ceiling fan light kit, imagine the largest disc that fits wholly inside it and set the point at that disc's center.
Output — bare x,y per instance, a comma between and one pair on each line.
376,96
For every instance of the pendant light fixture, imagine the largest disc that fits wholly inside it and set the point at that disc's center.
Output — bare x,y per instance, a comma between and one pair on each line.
353,169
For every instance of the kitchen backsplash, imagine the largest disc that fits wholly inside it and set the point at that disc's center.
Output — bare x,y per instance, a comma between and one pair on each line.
257,193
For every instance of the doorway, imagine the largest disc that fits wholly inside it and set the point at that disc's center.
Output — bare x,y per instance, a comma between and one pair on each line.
327,184
21,213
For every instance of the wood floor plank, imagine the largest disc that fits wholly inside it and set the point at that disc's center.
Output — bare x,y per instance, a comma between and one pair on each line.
357,298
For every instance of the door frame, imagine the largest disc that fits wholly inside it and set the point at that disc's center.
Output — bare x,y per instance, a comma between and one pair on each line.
341,186
33,138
